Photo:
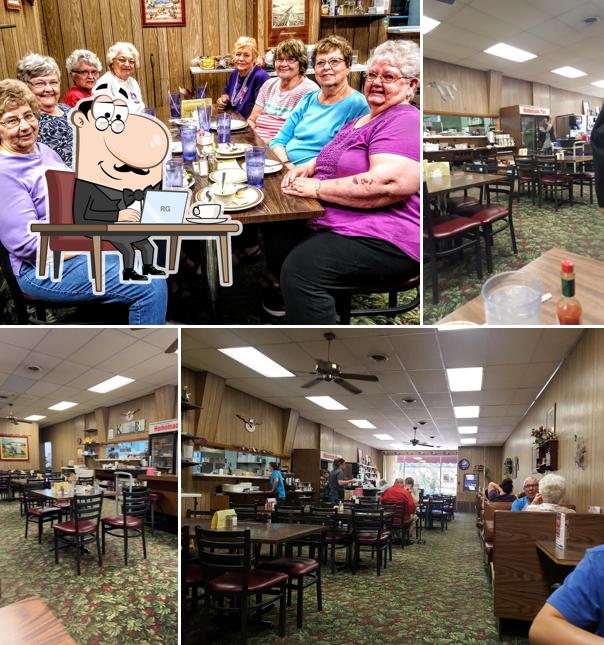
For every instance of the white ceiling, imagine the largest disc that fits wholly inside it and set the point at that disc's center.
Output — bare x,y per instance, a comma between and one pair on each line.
552,29
517,362
74,359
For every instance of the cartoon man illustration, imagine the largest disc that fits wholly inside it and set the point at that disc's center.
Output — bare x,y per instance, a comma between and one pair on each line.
119,157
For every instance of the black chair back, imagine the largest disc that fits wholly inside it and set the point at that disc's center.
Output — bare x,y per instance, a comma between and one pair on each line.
368,521
225,552
85,481
246,512
135,503
87,508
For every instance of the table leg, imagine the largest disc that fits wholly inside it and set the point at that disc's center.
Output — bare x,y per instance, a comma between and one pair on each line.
44,240
174,246
211,270
223,250
97,260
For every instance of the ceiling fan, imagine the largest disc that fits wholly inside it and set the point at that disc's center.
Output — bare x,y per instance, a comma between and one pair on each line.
416,442
327,371
11,418
172,347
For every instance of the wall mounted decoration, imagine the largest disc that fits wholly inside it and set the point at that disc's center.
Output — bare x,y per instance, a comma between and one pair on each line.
12,4
163,13
14,448
580,452
130,427
286,19
508,467
550,420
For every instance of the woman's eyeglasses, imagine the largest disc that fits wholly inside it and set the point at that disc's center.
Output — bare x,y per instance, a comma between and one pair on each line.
125,61
285,61
86,72
40,85
13,122
387,79
332,62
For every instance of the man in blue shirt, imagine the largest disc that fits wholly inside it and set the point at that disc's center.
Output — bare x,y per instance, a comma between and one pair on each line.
531,488
276,481
574,613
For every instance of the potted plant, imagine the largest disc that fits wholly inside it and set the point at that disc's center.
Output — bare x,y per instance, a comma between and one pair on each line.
542,435
508,466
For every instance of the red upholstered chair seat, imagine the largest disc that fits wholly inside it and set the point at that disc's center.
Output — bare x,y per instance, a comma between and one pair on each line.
131,522
258,580
444,227
86,526
550,180
196,573
64,504
485,214
292,566
155,497
336,536
43,510
369,538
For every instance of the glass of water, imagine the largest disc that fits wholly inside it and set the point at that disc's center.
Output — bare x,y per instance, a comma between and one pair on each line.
174,173
512,298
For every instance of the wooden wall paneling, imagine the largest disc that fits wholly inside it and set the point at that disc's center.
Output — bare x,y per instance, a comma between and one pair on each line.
237,20
515,91
146,410
109,37
256,23
541,95
175,59
225,43
165,402
143,73
307,434
210,45
101,418
471,97
54,33
151,48
31,431
121,20
290,426
314,21
210,398
72,27
93,30
494,80
491,457
191,36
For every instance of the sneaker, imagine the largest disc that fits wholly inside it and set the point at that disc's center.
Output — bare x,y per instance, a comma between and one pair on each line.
272,302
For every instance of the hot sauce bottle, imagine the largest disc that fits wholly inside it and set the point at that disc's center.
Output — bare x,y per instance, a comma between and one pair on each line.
568,309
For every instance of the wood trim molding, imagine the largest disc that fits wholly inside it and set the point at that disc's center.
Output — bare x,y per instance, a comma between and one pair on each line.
211,392
290,425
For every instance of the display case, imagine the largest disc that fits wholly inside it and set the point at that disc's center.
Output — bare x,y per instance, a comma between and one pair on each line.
163,451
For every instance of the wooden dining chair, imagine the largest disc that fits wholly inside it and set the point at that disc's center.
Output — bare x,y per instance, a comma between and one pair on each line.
131,523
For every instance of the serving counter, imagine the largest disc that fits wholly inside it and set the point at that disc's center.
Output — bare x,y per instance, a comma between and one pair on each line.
167,485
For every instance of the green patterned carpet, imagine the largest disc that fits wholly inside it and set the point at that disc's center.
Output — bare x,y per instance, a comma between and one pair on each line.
112,604
431,593
579,229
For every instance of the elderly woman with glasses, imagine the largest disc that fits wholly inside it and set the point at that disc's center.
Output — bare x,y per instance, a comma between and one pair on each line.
117,81
42,76
279,96
23,164
368,180
84,67
245,80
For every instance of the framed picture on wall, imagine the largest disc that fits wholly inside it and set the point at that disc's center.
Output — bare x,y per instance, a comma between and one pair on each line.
14,448
550,419
163,13
12,4
286,19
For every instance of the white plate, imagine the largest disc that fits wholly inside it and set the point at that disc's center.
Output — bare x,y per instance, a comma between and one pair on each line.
176,147
190,121
207,220
190,183
270,166
245,198
232,175
236,124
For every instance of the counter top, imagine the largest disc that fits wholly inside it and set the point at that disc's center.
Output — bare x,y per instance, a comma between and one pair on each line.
210,476
456,136
159,478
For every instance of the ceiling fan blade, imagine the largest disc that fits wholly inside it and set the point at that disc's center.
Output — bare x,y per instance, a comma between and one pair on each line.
428,445
361,377
172,347
346,385
312,383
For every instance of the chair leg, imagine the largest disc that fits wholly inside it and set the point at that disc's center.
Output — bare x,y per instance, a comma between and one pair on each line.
78,554
56,264
513,234
244,606
144,542
103,538
319,591
98,549
152,519
125,547
40,525
281,631
26,525
56,548
300,602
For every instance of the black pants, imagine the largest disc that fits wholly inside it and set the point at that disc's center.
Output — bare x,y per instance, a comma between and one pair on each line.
326,262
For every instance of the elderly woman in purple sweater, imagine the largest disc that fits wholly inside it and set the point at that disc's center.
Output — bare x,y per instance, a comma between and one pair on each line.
23,163
368,179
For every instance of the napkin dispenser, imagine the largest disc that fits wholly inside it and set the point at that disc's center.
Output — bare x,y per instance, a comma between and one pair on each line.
220,518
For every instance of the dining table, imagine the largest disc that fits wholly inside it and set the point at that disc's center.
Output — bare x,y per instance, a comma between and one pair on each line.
31,622
569,556
444,184
589,290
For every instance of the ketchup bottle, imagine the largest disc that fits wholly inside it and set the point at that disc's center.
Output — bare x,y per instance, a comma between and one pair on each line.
568,309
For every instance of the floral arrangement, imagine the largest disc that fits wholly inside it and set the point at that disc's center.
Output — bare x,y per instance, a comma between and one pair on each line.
508,466
542,435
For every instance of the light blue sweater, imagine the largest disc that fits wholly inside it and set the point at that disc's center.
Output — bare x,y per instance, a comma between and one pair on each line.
311,125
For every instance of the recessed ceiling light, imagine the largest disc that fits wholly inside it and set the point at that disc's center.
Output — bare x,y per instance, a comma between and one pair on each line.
598,83
399,446
63,405
378,358
428,24
467,429
361,423
383,437
467,441
466,411
409,400
34,417
34,368
110,384
510,52
465,379
326,402
569,72
257,361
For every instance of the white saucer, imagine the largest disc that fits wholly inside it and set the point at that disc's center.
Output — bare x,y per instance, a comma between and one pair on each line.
207,220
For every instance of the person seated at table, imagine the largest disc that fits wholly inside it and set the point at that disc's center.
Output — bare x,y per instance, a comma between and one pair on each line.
336,481
275,481
398,494
122,61
245,81
530,488
84,67
551,491
574,613
409,484
43,77
279,96
384,485
320,115
501,493
23,163
368,180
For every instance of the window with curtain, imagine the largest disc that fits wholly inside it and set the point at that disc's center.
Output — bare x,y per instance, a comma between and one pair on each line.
436,473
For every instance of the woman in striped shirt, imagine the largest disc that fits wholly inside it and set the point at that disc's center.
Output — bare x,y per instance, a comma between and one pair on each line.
279,96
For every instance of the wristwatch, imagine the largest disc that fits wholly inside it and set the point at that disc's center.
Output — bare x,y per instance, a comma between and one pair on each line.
317,189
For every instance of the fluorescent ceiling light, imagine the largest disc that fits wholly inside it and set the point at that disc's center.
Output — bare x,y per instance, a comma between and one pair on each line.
510,53
599,83
257,361
111,384
467,441
467,429
465,379
362,423
326,402
428,24
34,417
569,72
466,411
383,437
399,446
63,405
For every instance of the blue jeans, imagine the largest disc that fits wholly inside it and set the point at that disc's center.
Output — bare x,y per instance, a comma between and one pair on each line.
146,301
